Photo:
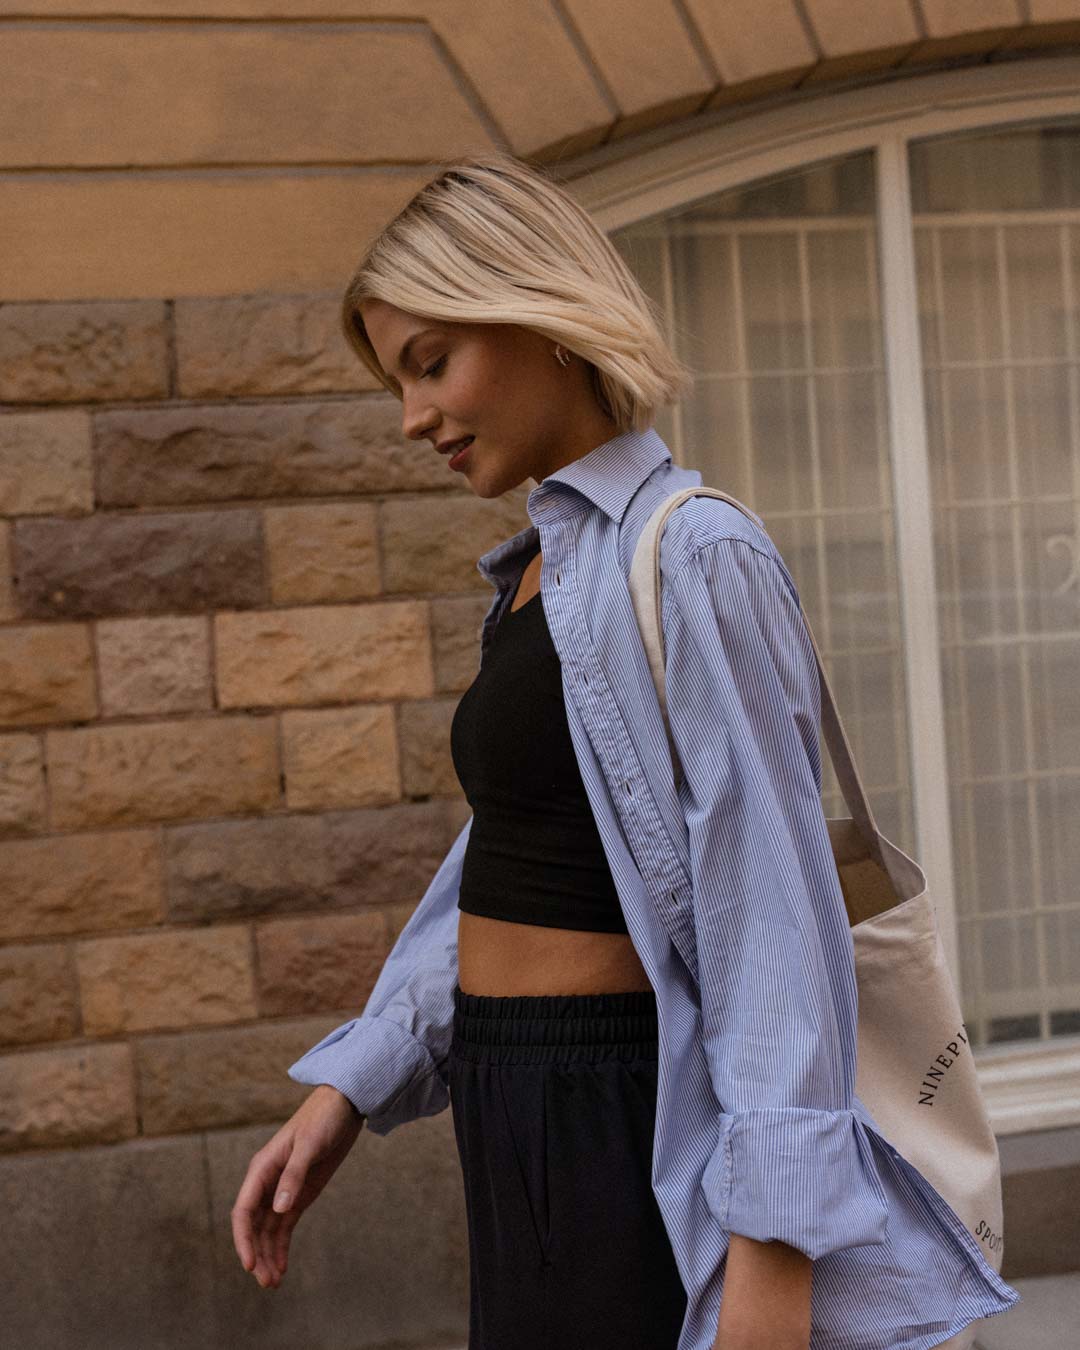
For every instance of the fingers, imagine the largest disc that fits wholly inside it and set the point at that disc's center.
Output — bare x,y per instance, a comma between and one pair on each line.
253,1219
261,1233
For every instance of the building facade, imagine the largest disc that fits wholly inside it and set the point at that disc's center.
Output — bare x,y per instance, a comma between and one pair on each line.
237,609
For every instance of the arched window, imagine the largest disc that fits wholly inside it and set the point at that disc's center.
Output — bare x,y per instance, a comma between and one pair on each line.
883,314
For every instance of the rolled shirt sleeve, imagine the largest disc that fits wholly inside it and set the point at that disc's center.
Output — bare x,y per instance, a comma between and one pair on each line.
778,993
391,1061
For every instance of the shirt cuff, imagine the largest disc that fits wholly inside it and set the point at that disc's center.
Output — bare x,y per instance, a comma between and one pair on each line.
795,1175
385,1072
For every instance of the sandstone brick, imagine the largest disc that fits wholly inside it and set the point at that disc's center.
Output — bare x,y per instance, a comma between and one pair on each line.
1038,36
646,56
251,345
199,1080
325,552
22,785
340,757
193,94
135,772
282,864
1045,11
325,654
842,28
206,452
431,544
37,994
7,580
157,665
67,353
46,674
456,622
64,1097
79,883
427,766
158,980
944,18
319,962
135,564
751,39
130,235
45,463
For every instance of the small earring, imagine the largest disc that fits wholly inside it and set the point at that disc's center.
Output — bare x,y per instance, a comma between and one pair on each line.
561,356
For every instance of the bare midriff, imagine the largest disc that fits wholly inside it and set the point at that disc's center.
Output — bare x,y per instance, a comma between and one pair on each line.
499,959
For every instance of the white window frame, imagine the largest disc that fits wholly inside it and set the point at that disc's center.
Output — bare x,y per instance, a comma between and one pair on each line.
1028,1086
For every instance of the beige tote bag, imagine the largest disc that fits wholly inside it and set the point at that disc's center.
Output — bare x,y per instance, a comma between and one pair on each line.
915,1071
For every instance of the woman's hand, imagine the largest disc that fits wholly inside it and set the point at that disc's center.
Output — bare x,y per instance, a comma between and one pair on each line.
292,1167
766,1299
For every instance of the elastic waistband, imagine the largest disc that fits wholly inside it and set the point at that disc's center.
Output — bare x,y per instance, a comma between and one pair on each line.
542,1028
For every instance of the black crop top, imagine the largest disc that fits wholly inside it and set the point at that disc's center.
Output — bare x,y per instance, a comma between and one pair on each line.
534,853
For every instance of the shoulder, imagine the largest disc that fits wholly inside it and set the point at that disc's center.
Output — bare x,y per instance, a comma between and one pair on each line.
704,531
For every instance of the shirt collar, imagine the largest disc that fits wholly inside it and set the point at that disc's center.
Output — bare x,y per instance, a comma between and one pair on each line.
607,476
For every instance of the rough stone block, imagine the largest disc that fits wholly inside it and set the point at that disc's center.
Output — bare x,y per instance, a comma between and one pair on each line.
7,578
432,545
288,863
138,564
157,980
46,674
250,345
45,463
141,771
256,451
198,1079
81,352
159,665
37,994
80,1095
323,654
79,883
340,757
22,785
427,765
325,552
319,962
456,622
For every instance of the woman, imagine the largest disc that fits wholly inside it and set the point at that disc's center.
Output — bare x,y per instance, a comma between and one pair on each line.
638,1000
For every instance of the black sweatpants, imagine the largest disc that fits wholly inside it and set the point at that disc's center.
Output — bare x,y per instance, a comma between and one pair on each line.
554,1102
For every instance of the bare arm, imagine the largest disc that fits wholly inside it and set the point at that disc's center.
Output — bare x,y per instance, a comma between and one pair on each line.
766,1302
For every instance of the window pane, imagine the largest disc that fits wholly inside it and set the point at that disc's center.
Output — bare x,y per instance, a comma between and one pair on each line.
771,296
997,242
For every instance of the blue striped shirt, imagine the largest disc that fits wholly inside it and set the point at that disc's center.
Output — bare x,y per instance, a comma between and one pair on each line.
727,884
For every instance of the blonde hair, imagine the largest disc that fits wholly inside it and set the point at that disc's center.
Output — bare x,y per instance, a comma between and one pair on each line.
490,239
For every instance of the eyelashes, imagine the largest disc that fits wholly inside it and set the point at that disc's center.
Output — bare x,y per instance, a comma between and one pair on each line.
434,370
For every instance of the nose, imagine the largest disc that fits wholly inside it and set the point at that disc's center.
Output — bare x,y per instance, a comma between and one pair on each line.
417,419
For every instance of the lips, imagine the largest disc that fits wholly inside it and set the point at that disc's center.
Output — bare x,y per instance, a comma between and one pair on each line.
457,455
454,446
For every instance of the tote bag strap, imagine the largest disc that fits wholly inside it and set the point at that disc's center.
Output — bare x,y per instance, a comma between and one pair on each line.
645,595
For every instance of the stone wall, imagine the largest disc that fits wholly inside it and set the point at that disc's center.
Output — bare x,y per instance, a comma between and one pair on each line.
237,610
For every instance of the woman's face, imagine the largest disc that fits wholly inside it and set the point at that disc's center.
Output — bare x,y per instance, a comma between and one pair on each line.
499,383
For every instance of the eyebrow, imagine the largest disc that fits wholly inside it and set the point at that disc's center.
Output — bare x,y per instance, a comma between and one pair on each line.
403,355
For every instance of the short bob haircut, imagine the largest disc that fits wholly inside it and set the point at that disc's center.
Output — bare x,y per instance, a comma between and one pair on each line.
490,239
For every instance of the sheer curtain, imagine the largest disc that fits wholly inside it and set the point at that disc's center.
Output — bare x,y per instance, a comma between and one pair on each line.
770,293
997,232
